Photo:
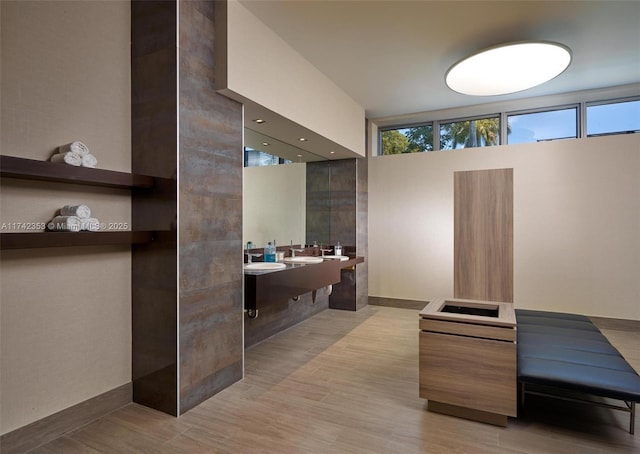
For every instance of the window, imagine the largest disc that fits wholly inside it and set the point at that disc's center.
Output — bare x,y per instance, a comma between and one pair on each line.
415,139
541,126
478,132
613,118
569,121
256,158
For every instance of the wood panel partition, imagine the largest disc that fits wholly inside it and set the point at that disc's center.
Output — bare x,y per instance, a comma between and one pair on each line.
483,235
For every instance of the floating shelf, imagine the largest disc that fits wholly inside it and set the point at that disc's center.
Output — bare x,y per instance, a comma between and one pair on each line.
31,169
68,239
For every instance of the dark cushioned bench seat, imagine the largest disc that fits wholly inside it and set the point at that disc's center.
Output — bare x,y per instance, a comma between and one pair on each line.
568,352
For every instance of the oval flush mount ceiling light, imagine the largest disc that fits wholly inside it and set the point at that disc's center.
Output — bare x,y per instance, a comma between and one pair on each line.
508,68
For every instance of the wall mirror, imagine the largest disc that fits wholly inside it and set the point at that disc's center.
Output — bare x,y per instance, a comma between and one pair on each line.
275,194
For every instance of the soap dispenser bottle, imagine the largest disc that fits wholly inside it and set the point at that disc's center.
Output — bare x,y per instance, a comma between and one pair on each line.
337,249
270,253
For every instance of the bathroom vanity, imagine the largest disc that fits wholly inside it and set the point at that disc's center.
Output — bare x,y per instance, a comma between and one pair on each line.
267,286
468,359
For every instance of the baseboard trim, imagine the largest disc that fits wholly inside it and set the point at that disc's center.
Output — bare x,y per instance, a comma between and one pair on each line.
397,302
616,323
51,427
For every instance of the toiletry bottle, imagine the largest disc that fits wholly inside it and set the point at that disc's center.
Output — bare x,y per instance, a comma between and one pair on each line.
338,249
270,253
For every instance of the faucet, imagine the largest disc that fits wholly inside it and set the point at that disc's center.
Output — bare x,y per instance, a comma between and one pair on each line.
293,251
322,250
249,255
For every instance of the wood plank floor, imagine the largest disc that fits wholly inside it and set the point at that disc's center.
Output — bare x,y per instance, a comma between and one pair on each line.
347,382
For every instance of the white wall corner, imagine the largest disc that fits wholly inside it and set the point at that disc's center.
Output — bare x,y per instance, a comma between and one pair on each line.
260,66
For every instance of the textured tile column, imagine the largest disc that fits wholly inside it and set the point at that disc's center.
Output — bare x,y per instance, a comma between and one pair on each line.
337,211
187,285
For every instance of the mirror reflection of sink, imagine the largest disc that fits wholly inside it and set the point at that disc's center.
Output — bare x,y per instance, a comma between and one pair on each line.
303,259
342,258
264,266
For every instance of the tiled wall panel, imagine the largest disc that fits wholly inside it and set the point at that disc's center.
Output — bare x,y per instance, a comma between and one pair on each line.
187,286
210,219
154,152
337,211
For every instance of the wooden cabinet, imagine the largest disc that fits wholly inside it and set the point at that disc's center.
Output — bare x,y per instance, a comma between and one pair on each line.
468,359
264,288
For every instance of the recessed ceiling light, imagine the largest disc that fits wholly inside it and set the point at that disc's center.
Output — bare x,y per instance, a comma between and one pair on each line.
302,139
266,144
299,155
508,68
260,121
332,152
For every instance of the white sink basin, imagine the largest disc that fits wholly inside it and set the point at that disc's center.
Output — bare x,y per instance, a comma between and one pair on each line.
342,258
305,260
264,266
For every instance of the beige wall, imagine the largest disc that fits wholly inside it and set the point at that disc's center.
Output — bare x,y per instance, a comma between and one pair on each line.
274,204
65,312
576,223
265,69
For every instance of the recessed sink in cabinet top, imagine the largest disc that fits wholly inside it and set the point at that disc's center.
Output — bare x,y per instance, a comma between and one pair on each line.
342,258
303,259
298,277
265,266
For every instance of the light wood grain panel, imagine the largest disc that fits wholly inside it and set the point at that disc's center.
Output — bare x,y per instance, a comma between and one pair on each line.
469,329
467,372
483,235
506,313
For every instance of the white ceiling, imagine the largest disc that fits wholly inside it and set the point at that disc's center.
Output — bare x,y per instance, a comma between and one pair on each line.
391,56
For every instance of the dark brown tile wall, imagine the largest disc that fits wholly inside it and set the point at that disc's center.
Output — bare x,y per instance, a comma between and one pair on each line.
211,163
362,233
154,276
318,202
207,162
337,210
282,315
343,202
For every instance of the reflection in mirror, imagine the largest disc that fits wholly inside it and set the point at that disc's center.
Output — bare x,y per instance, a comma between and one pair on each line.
262,142
274,204
275,193
319,202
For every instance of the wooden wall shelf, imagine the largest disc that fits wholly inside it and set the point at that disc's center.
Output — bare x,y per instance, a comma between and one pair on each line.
31,240
31,169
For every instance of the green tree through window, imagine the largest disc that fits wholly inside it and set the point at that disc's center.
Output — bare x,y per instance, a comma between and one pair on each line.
407,140
420,139
456,134
470,133
394,142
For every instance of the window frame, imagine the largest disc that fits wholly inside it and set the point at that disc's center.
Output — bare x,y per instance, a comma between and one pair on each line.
565,101
469,118
579,115
604,103
404,126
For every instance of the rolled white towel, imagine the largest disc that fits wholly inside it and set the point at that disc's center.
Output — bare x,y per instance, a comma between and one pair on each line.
65,224
90,224
89,160
69,157
81,211
74,147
